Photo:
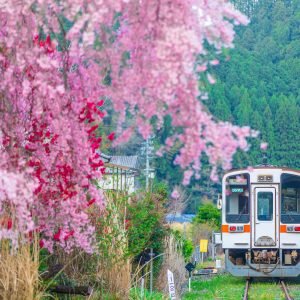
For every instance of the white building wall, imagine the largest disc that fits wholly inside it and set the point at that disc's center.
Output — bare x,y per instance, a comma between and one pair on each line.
118,182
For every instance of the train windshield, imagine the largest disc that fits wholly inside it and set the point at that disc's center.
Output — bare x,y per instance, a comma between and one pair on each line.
290,198
237,199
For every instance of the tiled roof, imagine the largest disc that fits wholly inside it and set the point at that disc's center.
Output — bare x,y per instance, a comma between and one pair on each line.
130,162
122,162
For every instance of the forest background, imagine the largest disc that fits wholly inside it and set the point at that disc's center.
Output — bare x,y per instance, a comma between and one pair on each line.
257,85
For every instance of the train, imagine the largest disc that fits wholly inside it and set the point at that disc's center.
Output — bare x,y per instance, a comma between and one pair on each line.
260,228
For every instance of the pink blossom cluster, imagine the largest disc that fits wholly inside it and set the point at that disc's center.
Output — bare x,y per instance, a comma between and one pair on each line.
16,199
165,38
53,85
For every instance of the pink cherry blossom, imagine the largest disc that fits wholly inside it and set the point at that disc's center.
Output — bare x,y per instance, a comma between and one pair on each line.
264,146
175,194
214,62
201,68
52,93
211,79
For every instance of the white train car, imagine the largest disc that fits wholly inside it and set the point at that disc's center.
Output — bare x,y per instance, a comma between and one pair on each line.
261,222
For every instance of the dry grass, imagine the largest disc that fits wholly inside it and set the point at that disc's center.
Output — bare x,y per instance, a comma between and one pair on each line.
182,227
19,276
114,269
201,231
174,261
115,278
108,269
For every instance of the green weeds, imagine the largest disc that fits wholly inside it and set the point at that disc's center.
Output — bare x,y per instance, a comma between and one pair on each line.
220,287
227,287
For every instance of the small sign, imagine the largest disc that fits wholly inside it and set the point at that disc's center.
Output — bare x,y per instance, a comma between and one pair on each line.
190,267
217,238
203,246
237,190
172,290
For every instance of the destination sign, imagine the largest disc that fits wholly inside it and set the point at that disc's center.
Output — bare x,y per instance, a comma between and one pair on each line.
237,190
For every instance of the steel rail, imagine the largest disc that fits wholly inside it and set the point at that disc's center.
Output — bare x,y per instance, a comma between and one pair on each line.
285,290
246,291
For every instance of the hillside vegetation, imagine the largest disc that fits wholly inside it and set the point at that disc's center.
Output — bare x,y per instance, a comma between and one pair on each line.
258,85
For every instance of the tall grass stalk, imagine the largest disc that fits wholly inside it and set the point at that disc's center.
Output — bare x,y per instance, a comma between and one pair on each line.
114,267
19,271
174,261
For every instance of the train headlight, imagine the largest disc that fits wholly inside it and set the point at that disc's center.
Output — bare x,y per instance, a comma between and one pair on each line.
232,228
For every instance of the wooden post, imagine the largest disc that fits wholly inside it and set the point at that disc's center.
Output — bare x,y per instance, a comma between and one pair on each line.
142,287
151,270
77,290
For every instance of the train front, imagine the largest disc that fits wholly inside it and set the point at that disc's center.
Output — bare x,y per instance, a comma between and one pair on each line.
261,222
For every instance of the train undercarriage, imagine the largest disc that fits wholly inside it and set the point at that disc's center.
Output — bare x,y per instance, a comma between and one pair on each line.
263,262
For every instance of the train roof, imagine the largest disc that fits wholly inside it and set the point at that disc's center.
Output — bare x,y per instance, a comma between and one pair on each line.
263,167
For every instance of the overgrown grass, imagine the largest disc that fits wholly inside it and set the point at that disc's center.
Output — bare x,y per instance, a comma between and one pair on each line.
265,289
293,285
219,287
135,294
227,287
269,289
209,263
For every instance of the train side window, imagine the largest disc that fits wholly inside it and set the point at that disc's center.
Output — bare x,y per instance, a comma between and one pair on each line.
290,198
237,199
264,206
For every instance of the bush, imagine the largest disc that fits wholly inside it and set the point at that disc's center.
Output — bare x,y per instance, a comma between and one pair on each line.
187,249
186,244
146,221
209,213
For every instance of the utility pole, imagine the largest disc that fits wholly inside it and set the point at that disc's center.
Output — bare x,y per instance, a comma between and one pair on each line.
147,164
147,150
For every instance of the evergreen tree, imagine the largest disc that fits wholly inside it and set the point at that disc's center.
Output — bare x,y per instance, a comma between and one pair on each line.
287,138
243,111
261,83
257,86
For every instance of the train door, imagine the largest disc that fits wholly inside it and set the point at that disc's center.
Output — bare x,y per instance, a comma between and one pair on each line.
265,216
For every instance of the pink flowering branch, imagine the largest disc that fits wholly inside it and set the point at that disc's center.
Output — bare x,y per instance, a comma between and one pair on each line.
58,60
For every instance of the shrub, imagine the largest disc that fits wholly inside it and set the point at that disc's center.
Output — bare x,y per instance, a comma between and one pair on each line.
146,221
186,245
209,213
187,249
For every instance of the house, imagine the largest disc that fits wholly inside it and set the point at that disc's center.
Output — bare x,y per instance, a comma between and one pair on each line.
121,173
180,218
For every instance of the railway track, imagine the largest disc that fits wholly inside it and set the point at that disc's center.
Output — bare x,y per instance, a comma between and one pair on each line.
285,290
281,283
246,292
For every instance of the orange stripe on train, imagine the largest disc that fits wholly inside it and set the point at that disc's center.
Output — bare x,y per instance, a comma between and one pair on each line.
247,228
282,228
225,228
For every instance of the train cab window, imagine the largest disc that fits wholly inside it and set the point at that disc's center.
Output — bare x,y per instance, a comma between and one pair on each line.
237,199
264,206
290,198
